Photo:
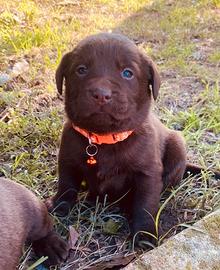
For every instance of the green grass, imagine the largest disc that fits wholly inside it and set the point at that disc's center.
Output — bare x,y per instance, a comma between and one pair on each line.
183,37
215,58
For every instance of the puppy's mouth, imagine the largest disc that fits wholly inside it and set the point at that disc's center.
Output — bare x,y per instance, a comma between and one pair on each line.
113,112
101,122
103,117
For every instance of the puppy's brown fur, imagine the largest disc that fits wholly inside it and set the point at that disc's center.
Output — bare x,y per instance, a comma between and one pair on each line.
25,218
100,99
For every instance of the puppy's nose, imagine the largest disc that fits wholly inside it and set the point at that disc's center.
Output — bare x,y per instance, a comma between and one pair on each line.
101,95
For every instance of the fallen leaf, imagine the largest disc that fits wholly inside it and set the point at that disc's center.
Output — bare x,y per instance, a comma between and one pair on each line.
73,237
111,226
117,260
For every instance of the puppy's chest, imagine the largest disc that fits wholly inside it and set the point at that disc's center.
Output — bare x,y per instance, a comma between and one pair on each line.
108,175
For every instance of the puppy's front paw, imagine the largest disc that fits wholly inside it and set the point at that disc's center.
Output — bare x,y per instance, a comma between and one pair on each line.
144,234
52,246
61,208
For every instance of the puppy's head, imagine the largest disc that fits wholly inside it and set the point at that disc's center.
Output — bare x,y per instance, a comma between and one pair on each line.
109,84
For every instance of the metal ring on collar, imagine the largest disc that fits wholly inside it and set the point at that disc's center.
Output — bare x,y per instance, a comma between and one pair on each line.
91,150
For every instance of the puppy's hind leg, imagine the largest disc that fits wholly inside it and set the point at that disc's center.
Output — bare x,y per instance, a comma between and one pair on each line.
174,159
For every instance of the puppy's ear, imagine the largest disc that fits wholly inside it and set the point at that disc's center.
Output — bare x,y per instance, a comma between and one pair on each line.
61,71
154,79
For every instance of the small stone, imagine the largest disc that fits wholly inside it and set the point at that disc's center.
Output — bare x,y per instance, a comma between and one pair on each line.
19,68
198,55
4,78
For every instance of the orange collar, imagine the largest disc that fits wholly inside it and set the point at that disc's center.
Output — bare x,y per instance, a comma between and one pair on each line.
106,139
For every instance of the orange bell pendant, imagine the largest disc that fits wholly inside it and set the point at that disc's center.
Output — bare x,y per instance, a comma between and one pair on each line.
91,161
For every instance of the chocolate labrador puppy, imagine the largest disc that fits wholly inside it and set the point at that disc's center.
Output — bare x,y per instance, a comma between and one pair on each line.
25,218
111,137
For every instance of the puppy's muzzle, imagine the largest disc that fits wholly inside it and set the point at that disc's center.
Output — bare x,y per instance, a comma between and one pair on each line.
100,95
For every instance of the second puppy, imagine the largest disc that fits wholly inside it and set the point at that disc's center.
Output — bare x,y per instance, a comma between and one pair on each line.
24,218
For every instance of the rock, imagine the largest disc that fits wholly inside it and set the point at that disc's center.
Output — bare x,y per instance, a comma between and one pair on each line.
196,248
4,78
19,68
198,55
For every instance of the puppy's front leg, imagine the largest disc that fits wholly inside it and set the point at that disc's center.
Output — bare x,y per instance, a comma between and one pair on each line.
146,200
69,182
53,246
45,240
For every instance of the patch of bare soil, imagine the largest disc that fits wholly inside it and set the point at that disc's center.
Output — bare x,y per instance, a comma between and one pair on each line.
177,92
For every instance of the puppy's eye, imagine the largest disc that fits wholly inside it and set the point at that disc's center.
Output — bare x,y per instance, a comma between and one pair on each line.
127,74
81,70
